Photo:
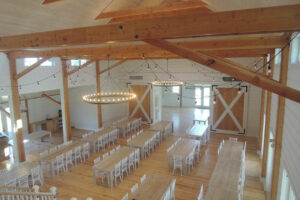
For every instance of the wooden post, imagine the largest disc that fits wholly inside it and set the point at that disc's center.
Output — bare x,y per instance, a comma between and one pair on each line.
180,100
65,102
262,109
98,91
27,116
280,122
267,122
15,113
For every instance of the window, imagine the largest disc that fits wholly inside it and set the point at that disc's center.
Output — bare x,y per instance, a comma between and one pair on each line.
30,61
1,126
198,96
78,62
8,121
176,89
202,96
287,191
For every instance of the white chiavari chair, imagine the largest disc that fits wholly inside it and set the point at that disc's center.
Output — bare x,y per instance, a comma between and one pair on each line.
69,159
151,145
177,164
133,137
59,164
128,140
127,130
105,140
86,150
111,138
97,160
125,197
37,175
197,152
124,166
118,147
99,144
146,149
137,157
77,154
190,162
117,173
143,178
115,135
112,151
134,188
105,155
131,161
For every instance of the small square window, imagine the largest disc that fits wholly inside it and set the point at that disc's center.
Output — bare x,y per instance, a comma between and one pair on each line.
176,89
30,61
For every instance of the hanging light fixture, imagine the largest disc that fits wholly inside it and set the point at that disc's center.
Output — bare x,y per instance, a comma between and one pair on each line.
167,83
109,97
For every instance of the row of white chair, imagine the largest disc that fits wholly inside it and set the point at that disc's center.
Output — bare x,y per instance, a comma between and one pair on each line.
134,136
55,148
106,140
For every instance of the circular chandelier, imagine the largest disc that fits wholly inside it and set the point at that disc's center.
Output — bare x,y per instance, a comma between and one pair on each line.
109,97
167,83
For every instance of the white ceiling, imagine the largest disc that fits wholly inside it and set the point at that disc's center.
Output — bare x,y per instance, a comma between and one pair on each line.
27,16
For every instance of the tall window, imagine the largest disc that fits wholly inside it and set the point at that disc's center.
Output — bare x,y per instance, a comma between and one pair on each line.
287,191
30,61
1,126
78,62
202,96
8,121
176,89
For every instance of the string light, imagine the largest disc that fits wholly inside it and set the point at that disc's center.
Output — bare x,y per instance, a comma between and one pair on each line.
255,66
269,68
239,90
178,99
167,83
38,82
215,100
109,97
148,66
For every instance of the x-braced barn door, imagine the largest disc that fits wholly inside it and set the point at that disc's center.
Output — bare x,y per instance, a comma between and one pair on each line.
230,110
140,107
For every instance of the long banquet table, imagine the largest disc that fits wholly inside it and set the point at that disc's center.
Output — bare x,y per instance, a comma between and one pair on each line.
108,164
199,132
122,126
154,188
183,149
141,140
165,127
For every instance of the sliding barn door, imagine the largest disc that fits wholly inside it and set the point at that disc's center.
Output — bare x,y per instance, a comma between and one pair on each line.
140,107
229,111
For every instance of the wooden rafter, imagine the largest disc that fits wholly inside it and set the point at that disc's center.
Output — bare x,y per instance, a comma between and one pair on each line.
230,68
113,66
259,20
51,99
50,1
159,9
32,67
80,67
232,47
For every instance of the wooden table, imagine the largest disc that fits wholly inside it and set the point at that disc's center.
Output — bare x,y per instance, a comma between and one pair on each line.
154,188
92,139
141,140
37,135
165,127
122,126
199,132
108,164
17,171
48,159
214,193
183,149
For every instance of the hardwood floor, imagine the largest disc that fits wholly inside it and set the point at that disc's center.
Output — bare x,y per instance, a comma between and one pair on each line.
78,182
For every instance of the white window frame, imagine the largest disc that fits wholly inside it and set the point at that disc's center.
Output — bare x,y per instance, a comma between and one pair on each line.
201,105
176,89
80,62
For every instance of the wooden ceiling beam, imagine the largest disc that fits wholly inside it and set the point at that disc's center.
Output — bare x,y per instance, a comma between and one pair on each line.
128,51
32,67
113,66
251,21
153,10
51,99
50,1
228,67
80,67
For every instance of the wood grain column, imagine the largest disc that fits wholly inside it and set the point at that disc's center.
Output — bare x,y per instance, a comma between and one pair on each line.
262,109
98,84
15,113
280,122
267,122
65,102
27,116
